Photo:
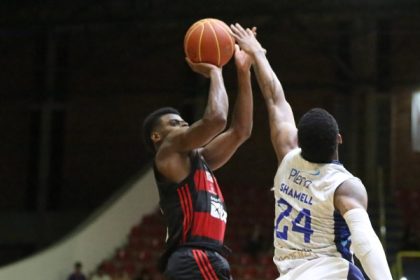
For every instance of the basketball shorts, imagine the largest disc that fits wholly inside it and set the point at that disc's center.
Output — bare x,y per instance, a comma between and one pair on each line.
194,264
324,268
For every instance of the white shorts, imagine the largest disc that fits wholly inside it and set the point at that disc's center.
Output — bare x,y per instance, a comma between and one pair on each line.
323,268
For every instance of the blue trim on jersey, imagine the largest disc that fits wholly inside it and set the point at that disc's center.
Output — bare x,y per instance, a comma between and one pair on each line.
342,236
354,273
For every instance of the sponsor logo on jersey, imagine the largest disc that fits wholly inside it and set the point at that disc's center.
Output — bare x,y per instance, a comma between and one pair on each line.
315,172
209,177
217,210
296,177
210,180
296,254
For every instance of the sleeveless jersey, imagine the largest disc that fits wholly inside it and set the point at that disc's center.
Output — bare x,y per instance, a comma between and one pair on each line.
306,223
194,209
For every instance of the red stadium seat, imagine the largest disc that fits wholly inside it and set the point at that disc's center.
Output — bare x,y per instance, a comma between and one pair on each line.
145,256
122,254
249,273
109,267
270,273
130,268
265,260
135,230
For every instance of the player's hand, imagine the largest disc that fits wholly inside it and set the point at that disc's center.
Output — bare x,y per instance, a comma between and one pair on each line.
243,61
246,39
204,69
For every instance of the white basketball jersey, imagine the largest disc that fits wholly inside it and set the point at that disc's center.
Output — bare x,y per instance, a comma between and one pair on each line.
306,224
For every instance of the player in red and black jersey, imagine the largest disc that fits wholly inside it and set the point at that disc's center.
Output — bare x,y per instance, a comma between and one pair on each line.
185,158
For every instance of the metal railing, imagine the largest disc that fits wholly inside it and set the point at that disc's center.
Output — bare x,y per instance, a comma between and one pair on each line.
398,268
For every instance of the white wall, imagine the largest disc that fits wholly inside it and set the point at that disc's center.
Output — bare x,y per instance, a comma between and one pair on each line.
93,241
415,121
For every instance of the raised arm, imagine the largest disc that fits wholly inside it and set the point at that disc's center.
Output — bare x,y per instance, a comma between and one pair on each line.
214,118
350,199
282,124
221,149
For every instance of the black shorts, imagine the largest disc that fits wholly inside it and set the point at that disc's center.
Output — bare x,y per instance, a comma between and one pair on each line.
194,264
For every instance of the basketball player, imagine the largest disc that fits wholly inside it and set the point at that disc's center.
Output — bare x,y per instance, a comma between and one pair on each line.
185,158
320,208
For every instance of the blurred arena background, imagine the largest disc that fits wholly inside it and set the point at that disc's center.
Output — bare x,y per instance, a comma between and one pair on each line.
78,77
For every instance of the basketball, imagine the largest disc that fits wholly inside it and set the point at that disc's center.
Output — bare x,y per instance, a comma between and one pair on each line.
208,40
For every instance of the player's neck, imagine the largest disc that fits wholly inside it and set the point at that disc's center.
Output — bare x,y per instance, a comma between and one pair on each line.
335,156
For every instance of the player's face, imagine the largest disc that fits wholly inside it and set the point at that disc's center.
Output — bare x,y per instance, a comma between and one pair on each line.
171,122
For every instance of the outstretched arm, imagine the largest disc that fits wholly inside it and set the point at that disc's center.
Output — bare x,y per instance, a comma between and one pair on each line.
214,118
282,124
221,149
350,199
172,157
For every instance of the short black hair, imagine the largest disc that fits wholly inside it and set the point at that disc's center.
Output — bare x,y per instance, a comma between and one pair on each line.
150,123
317,135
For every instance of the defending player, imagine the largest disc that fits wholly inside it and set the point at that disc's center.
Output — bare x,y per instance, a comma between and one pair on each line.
319,204
185,156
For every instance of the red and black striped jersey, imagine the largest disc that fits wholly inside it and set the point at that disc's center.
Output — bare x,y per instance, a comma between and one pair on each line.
194,209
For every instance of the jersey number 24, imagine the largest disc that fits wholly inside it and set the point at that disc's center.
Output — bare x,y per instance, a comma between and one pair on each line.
297,224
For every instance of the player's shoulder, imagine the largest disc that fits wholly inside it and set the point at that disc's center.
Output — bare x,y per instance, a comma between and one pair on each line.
291,154
351,185
349,193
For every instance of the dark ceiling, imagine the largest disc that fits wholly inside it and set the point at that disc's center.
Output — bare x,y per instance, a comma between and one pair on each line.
35,14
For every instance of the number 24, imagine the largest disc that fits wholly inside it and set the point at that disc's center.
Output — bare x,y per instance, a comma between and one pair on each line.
305,229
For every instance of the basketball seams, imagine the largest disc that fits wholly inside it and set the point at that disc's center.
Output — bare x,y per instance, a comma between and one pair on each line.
190,32
209,40
215,38
200,39
225,29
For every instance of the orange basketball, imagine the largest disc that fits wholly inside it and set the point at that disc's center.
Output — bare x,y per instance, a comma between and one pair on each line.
208,40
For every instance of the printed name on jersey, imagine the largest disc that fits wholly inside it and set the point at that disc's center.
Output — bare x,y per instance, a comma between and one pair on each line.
301,180
301,196
217,210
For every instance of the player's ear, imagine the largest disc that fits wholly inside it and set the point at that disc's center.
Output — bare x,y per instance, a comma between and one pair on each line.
155,136
339,139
